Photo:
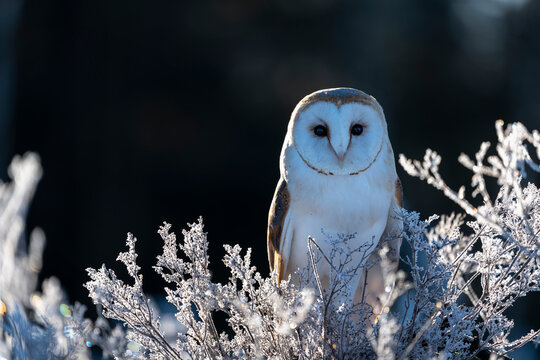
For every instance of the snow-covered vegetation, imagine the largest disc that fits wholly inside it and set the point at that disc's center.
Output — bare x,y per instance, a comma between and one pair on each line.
459,275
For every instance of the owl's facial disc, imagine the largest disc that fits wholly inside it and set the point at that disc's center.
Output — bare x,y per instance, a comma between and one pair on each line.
338,140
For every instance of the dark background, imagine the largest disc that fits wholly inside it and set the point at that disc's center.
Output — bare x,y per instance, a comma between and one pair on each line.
145,111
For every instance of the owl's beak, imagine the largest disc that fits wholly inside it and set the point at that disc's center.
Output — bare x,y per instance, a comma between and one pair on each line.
340,144
341,157
340,149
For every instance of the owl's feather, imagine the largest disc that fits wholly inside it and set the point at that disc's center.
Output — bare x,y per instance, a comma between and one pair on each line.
398,195
276,222
375,282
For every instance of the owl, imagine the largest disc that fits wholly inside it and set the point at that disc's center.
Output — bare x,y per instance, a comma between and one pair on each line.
338,176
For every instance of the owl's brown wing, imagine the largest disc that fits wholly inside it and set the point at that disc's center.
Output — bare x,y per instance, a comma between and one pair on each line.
276,223
394,224
398,196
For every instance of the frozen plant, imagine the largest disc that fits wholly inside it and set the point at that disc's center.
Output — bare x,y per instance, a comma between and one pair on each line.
505,268
32,324
38,325
264,316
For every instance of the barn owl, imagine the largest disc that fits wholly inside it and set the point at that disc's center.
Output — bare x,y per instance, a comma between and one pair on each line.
338,175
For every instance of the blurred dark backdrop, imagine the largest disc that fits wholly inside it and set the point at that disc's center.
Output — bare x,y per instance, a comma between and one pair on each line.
145,111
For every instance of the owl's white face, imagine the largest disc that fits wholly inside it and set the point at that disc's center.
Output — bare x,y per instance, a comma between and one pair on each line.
339,140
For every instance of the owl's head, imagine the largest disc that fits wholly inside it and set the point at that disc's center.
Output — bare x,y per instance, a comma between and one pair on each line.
338,131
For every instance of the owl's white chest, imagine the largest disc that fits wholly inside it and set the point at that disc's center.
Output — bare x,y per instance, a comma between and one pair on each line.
323,206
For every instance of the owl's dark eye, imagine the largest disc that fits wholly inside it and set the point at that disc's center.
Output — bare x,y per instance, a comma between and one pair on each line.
320,131
357,130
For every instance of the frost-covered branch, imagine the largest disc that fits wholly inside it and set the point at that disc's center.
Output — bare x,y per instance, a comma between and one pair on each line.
506,228
33,324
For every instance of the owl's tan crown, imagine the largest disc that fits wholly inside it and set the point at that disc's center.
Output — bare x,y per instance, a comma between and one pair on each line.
338,97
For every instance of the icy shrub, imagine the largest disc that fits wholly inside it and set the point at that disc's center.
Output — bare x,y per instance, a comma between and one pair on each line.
38,325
